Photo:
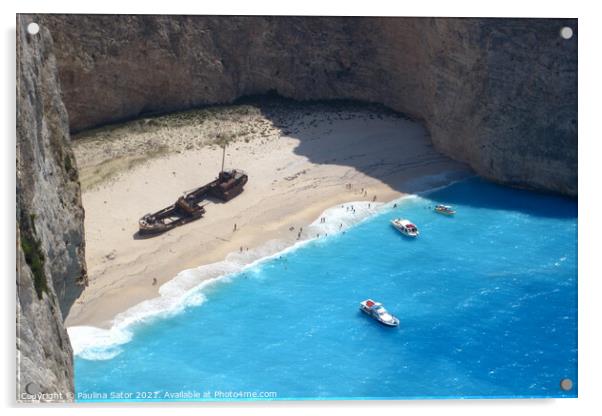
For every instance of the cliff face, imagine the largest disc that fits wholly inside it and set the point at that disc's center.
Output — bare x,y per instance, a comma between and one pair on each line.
499,94
51,270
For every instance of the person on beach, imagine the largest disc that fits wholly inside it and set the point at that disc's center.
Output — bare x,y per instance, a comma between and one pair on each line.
374,198
154,281
234,226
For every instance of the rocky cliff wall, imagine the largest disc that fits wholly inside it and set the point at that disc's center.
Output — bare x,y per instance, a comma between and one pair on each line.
51,269
499,94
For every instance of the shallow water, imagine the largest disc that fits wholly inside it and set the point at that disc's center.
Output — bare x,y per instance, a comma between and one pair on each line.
487,302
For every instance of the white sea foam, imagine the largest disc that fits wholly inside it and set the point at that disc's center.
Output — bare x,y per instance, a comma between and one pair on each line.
94,343
341,217
186,288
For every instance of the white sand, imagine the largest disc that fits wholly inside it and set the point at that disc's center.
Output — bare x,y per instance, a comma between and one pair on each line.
292,179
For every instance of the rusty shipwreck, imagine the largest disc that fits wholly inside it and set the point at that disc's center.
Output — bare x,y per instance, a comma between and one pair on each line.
190,206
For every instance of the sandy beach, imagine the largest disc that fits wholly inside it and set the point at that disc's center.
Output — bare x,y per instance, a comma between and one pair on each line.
301,160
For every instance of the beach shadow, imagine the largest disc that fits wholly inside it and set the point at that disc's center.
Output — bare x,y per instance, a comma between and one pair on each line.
369,138
138,236
401,154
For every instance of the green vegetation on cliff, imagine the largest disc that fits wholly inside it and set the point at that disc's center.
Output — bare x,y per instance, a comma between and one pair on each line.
34,256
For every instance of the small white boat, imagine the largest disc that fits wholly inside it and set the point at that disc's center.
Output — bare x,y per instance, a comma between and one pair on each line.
405,227
377,311
445,210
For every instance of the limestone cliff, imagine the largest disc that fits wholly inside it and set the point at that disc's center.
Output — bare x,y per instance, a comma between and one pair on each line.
500,94
51,269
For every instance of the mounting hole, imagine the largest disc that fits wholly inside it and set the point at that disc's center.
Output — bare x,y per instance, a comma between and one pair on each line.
566,33
33,28
32,388
566,384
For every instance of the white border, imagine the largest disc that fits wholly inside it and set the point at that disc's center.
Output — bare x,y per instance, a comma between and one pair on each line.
589,37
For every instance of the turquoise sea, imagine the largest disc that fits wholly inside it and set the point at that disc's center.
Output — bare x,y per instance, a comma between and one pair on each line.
487,302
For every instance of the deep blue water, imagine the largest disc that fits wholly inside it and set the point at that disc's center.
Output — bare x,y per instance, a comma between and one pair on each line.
487,302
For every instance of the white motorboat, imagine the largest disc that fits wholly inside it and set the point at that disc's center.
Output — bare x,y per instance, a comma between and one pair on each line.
377,311
445,210
405,227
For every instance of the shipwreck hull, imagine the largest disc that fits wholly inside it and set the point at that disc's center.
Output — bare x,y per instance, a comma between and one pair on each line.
230,189
187,208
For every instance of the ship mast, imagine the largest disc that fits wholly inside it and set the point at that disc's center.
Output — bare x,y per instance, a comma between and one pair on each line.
223,156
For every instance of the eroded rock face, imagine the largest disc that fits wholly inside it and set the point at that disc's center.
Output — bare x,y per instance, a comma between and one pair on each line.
500,94
51,271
